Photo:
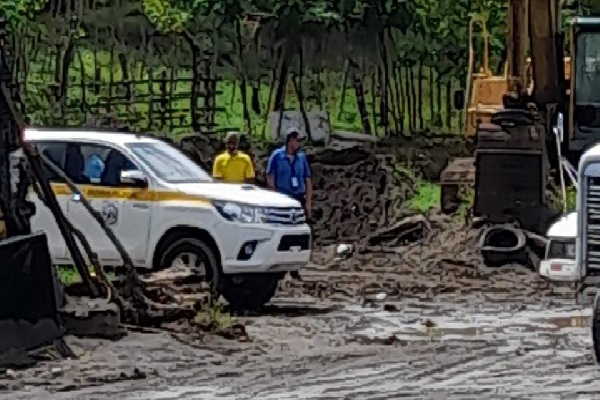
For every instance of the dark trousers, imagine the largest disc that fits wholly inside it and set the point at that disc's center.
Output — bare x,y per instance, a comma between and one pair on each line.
301,198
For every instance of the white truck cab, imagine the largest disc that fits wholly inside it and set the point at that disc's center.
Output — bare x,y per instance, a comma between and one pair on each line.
559,260
588,205
167,211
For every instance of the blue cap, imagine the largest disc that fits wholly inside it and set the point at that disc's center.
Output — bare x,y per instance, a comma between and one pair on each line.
292,132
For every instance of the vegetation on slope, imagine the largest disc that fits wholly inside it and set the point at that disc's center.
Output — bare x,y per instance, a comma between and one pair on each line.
382,67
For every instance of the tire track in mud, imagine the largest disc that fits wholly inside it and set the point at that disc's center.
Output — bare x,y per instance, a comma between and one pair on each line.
455,331
526,363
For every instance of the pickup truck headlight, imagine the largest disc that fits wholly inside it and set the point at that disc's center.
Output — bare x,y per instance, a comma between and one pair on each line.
238,212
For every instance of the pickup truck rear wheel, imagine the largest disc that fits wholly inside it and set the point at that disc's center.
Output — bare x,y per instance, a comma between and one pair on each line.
248,292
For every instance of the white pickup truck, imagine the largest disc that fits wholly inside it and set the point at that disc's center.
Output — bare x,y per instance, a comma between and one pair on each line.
168,211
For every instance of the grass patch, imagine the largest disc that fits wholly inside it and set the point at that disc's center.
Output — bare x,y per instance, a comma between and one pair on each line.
555,199
214,317
68,275
427,194
426,198
571,199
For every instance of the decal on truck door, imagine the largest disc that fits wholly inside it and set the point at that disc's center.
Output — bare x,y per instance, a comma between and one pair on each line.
110,212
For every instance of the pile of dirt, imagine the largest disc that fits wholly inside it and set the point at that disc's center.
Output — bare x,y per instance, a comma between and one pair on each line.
445,261
425,257
358,187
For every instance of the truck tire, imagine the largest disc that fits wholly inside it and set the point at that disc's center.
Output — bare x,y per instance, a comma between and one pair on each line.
248,292
596,328
187,246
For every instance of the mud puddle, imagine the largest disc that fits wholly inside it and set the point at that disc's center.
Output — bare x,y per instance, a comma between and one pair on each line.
412,321
461,350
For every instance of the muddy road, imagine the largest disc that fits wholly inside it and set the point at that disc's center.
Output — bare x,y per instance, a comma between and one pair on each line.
424,321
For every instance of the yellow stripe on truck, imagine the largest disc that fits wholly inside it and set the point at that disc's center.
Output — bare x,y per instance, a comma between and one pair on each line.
103,192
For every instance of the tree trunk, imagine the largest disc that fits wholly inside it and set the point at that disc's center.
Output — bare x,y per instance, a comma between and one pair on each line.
299,91
402,93
394,101
281,83
194,95
343,91
360,98
449,104
385,82
281,86
431,100
439,120
243,80
373,77
420,89
270,98
125,74
319,94
409,99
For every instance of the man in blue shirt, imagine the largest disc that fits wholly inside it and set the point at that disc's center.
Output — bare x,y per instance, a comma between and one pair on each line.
288,171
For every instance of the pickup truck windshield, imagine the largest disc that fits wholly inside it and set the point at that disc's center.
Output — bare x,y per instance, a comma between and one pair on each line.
168,163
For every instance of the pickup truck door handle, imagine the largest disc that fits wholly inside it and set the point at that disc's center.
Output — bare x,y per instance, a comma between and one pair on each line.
143,206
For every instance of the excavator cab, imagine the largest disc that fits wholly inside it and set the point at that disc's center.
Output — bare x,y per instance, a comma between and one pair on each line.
584,104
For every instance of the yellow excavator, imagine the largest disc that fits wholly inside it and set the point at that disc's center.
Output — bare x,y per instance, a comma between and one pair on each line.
513,118
485,89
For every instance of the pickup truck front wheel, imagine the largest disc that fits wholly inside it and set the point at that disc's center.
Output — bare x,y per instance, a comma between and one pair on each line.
248,292
193,254
243,292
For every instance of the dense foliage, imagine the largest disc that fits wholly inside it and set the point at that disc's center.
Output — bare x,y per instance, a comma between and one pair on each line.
432,32
383,41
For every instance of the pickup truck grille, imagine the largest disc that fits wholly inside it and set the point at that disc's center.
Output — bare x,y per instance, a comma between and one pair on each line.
285,216
592,208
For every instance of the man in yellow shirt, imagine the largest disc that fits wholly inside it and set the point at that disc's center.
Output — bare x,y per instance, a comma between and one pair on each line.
233,166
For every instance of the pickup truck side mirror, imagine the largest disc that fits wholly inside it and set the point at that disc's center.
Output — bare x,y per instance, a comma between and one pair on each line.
459,99
134,178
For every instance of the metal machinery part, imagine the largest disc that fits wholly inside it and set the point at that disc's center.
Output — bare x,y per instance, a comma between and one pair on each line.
21,167
14,178
511,116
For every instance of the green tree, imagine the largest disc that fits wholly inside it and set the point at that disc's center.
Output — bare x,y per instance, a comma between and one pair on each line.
16,12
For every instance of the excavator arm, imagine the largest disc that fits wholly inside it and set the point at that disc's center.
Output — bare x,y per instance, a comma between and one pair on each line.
515,137
518,139
546,48
517,46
